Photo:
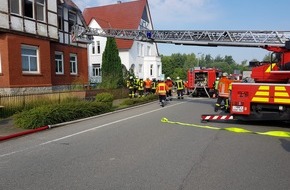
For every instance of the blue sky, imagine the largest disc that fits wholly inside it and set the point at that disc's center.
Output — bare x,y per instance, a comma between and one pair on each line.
213,15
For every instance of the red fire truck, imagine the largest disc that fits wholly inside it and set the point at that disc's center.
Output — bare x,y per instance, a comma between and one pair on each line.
268,98
201,81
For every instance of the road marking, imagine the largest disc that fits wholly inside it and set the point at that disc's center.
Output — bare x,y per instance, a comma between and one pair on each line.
88,130
285,134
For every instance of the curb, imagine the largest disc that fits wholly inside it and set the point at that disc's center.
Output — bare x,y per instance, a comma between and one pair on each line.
65,123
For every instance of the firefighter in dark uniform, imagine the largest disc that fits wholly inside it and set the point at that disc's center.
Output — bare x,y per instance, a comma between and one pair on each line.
180,87
130,86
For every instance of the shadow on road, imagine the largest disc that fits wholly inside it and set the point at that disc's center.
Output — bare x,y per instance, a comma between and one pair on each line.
285,144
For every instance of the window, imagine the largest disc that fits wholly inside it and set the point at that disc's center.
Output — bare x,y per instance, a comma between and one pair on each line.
142,50
140,68
60,18
28,8
151,70
73,64
59,63
40,10
72,19
138,48
98,47
97,70
93,48
29,55
148,50
15,6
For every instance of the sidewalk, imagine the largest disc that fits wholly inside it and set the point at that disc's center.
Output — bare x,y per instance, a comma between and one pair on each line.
7,127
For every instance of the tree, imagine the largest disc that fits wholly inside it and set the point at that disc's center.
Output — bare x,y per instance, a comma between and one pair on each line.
190,61
112,74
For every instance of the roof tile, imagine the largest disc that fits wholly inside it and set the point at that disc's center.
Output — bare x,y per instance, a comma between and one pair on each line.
125,15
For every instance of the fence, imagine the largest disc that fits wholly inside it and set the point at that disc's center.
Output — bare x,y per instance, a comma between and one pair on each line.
14,103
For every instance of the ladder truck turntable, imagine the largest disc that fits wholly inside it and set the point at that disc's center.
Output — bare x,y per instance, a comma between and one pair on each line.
267,98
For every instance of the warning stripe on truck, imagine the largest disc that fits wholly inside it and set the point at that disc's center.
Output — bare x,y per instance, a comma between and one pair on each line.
216,117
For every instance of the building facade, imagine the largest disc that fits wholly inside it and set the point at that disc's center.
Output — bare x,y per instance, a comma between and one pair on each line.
36,50
142,58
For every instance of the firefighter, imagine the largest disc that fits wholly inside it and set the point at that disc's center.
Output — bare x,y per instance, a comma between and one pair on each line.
223,92
162,90
186,91
215,84
180,87
130,86
136,82
169,83
148,83
141,87
153,86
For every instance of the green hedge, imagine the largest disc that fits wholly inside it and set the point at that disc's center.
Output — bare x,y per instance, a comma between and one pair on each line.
69,111
53,114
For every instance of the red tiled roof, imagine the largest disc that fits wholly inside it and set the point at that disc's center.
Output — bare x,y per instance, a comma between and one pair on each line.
125,15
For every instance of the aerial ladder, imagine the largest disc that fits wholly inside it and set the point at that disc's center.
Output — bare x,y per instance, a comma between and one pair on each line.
268,98
214,38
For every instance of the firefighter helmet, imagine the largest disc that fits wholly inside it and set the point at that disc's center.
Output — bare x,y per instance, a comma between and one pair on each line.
225,74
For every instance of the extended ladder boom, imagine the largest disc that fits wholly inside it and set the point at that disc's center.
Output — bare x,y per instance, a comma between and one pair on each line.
189,37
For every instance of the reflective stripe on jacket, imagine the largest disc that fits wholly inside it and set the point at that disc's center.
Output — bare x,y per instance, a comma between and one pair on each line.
154,84
161,88
223,87
179,84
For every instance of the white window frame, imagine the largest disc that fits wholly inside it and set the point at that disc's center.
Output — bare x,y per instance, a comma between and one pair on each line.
42,6
93,48
98,47
158,70
30,57
96,70
73,64
12,5
59,66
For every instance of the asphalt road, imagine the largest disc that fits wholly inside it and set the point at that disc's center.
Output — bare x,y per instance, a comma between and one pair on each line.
133,150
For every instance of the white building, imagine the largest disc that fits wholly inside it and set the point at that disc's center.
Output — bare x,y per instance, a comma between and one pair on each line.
142,58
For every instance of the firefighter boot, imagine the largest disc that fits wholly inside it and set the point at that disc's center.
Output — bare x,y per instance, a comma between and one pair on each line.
216,107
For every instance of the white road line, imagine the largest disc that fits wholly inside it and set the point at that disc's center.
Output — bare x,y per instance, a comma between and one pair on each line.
88,130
